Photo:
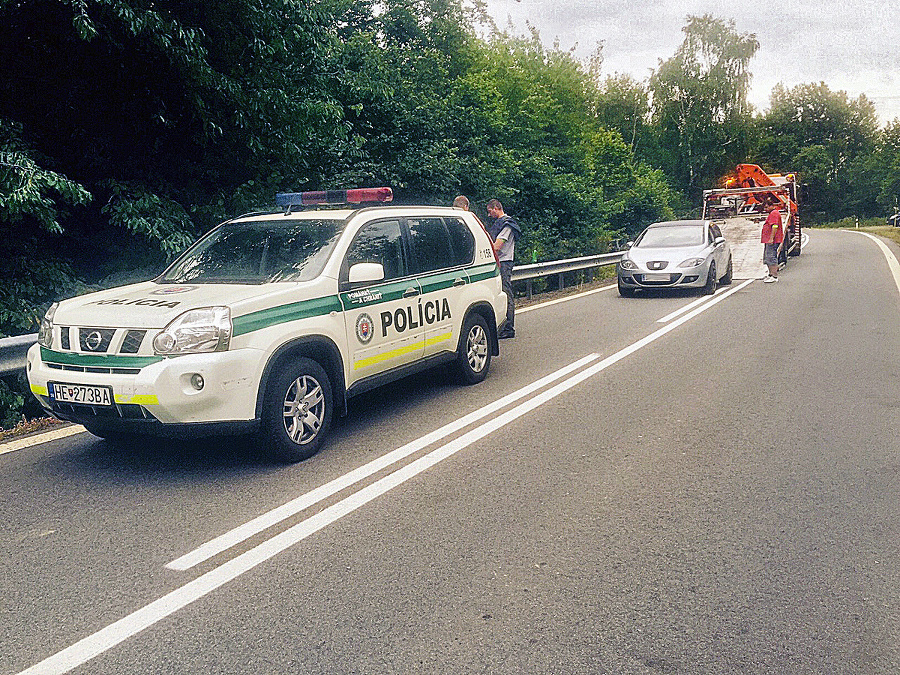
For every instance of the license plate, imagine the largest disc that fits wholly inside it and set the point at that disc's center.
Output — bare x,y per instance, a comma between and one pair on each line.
80,393
656,277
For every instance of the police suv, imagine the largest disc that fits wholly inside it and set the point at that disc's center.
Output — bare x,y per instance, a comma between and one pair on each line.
270,323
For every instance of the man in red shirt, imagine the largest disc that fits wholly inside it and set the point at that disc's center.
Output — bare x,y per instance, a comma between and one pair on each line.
772,237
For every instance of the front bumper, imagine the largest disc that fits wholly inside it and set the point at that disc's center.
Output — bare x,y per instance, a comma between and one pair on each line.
692,277
151,392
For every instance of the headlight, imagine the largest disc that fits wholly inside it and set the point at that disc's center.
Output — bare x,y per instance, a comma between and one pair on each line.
693,262
198,330
627,264
45,333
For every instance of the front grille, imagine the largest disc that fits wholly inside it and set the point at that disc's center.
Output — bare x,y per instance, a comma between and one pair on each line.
95,340
132,342
657,264
93,369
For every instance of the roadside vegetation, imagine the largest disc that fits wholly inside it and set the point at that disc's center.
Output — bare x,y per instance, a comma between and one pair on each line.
130,127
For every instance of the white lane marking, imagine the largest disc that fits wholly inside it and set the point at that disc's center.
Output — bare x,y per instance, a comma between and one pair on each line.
266,520
37,439
688,307
106,638
565,299
893,265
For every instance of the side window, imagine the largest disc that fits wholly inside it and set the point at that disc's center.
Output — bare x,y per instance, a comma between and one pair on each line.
462,240
430,244
716,231
379,242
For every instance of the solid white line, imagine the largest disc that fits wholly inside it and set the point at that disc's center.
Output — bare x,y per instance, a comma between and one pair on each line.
893,265
565,299
688,307
266,520
37,439
106,638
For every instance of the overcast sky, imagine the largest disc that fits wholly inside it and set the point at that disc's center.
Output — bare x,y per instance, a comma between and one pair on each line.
851,46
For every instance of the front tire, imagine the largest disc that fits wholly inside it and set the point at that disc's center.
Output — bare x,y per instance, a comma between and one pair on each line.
473,355
297,411
625,291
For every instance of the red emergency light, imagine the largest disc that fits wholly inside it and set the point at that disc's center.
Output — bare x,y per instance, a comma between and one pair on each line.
353,196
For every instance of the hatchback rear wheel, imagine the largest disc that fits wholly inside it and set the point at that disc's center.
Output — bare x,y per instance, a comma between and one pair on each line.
711,280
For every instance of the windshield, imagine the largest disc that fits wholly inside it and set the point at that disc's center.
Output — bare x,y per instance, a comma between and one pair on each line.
256,252
671,236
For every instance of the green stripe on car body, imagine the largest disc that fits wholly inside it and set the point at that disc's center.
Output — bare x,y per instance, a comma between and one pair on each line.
294,311
96,360
375,295
441,280
483,272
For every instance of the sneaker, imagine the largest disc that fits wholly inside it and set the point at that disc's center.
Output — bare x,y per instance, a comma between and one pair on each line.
770,279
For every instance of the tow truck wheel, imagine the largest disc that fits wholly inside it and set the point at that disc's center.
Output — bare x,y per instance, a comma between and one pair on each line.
296,411
711,280
473,355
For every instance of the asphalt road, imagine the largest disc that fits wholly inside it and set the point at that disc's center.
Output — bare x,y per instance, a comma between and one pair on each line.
714,493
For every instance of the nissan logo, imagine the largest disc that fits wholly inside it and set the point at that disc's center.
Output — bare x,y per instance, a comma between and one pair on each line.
93,340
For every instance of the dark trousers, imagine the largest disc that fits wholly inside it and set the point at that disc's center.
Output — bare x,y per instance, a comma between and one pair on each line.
506,268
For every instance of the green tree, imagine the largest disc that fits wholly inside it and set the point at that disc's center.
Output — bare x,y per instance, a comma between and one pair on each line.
829,139
700,107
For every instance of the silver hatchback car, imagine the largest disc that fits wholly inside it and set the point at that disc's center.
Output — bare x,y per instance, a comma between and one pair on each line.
676,254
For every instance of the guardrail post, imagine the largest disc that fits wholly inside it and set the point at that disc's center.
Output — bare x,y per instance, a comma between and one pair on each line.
562,280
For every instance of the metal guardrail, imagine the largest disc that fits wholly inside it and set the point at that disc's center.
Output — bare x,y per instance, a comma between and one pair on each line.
13,349
12,353
529,273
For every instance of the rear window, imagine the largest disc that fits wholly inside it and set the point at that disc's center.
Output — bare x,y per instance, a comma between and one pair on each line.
256,252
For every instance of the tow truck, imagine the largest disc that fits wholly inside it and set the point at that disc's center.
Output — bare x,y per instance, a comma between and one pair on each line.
738,207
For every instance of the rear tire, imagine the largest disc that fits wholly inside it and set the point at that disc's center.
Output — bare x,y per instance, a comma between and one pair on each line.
729,274
473,355
297,411
711,281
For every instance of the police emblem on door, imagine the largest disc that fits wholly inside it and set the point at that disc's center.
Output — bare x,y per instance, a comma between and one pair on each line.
364,328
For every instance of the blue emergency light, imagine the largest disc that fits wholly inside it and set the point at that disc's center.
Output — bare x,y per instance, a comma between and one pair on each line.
354,196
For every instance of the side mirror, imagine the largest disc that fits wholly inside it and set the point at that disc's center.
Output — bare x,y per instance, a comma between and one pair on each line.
366,272
719,240
628,244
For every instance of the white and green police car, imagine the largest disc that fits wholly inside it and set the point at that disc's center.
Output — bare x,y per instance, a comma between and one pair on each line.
270,323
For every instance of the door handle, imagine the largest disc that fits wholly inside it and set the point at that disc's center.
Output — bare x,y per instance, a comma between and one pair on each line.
410,292
459,282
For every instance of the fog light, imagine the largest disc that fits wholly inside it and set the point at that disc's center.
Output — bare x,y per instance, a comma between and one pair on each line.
197,381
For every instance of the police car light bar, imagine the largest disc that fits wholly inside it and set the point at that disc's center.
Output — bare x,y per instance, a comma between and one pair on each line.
355,196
